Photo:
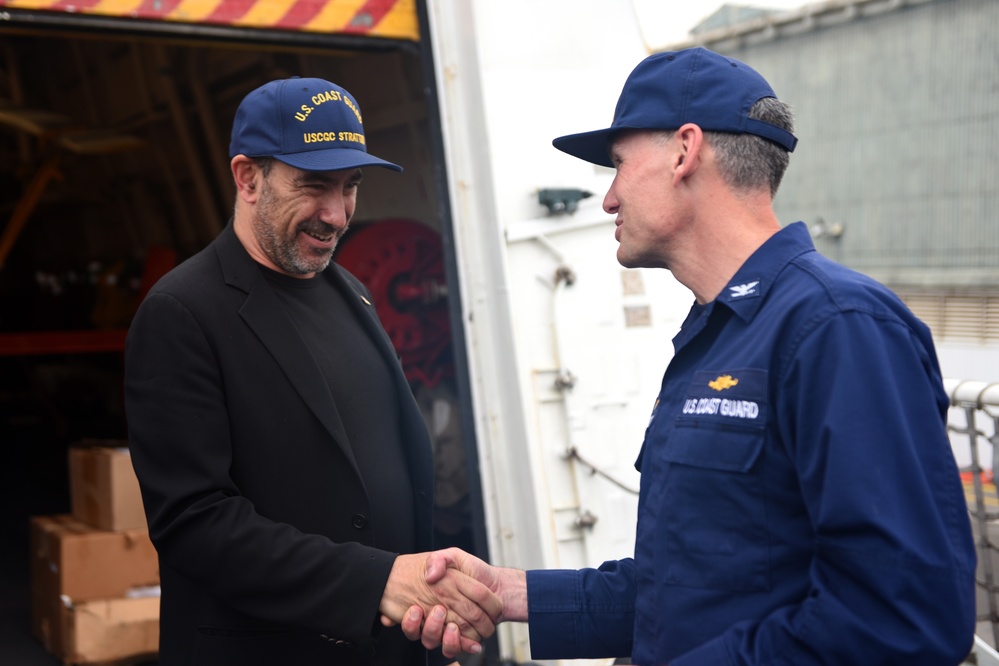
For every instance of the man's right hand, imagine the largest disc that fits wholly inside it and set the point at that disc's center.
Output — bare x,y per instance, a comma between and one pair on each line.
468,605
510,585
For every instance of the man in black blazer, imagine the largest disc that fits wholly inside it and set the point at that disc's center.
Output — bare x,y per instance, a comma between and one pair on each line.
285,468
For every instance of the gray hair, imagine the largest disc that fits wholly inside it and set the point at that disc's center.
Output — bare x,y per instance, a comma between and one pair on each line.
264,164
748,162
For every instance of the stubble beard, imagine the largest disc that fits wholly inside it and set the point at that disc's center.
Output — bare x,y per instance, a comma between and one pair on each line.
285,251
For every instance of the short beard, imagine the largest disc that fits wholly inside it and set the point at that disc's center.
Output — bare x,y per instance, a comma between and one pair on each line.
284,252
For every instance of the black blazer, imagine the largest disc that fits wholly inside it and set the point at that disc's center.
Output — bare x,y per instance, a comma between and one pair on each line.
254,502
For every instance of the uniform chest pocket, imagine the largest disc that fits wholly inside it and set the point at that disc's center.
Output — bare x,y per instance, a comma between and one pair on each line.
715,530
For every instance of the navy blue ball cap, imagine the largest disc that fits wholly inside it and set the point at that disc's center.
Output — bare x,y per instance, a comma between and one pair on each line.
670,89
307,123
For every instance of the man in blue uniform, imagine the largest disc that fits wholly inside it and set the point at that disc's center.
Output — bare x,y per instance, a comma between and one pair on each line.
799,500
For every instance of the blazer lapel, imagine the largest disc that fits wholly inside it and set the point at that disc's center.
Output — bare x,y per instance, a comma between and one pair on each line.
264,313
419,450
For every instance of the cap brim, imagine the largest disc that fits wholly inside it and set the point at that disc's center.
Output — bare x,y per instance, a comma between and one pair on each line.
334,159
590,146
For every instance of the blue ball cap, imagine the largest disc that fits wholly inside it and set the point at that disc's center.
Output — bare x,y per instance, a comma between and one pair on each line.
307,123
670,89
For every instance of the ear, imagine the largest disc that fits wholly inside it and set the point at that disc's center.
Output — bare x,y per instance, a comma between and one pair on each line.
690,139
247,177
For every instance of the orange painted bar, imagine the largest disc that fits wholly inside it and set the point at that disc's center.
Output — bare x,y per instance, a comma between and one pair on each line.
392,19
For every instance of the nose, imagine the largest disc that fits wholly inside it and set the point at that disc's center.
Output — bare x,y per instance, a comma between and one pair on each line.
611,204
335,210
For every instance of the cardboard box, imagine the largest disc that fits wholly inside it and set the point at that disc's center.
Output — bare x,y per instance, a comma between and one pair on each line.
104,491
101,631
72,559
81,578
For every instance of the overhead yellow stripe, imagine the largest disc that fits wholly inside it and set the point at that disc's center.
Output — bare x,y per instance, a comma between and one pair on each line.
194,10
116,7
265,12
400,22
31,4
335,16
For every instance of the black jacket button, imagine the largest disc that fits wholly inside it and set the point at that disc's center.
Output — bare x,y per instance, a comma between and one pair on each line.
359,520
338,642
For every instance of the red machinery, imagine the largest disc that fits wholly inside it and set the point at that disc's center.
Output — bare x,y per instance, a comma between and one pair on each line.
400,262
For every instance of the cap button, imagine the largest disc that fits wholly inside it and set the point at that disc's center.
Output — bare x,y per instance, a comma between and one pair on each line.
359,520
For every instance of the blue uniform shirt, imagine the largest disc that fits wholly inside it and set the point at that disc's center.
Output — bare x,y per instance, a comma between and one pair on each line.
800,503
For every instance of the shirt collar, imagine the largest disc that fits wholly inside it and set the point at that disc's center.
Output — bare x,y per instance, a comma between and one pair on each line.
745,293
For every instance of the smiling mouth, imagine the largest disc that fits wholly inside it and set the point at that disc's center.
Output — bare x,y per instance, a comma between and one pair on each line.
323,238
323,233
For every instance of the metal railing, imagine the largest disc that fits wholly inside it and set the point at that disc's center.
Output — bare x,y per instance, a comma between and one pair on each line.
973,423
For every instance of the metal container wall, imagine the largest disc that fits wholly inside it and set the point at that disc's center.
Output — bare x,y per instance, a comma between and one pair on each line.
897,111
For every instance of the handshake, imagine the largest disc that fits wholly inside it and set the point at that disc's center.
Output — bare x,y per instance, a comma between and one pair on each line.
452,600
